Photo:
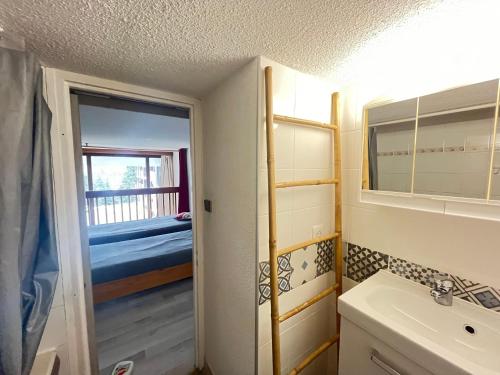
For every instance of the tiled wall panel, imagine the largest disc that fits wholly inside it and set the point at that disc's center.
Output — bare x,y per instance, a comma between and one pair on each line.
300,153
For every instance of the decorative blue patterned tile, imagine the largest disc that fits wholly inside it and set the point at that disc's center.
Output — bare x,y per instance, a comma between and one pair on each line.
297,268
477,293
412,271
363,263
303,265
284,272
488,299
325,257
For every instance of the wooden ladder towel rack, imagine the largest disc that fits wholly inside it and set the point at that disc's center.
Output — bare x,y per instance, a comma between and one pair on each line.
274,253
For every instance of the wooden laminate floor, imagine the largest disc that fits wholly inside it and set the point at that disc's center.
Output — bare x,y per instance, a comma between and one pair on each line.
155,329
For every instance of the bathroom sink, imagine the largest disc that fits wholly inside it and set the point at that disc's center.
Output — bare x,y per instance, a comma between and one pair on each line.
460,339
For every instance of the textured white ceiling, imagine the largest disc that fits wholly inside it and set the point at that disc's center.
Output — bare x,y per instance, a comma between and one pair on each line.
188,46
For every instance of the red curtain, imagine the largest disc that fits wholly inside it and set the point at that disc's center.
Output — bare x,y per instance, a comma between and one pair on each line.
183,181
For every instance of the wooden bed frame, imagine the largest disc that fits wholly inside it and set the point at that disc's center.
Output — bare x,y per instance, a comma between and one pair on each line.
122,287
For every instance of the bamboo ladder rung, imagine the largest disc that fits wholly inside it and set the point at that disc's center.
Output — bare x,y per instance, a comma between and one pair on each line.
318,297
311,357
301,245
303,122
287,184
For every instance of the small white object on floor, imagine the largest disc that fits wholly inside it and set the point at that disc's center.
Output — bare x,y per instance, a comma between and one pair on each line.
123,368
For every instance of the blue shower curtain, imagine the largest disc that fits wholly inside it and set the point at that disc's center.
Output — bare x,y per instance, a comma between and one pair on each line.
28,254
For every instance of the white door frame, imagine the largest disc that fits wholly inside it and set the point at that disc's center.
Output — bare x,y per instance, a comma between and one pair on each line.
74,273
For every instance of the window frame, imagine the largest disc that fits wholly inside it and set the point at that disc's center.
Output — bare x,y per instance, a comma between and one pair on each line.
88,152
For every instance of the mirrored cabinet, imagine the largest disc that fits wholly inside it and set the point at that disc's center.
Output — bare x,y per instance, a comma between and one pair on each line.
443,144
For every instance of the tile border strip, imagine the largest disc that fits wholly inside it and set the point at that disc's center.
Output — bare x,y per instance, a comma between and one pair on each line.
323,263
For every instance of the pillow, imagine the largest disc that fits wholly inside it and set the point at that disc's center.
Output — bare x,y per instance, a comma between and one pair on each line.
184,216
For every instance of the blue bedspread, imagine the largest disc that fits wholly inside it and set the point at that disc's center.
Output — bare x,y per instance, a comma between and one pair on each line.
129,230
117,260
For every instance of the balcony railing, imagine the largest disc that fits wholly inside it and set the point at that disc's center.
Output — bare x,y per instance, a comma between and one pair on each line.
114,206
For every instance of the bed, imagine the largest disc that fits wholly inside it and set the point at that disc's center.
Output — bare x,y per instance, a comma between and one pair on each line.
129,230
141,259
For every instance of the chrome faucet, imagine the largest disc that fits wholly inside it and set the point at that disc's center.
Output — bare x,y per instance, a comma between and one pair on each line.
443,289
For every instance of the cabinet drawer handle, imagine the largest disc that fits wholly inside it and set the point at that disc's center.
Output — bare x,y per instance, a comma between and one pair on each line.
384,366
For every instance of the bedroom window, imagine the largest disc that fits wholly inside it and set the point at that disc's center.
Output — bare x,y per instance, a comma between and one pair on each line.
126,184
117,172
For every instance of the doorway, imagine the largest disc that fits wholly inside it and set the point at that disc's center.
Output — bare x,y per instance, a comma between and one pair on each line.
133,170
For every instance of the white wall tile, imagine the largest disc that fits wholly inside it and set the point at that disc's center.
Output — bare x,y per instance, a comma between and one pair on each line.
473,210
312,173
351,149
288,301
350,111
432,239
346,222
476,161
284,136
284,197
305,336
474,184
351,186
265,355
304,220
310,196
284,87
495,178
283,229
312,99
312,148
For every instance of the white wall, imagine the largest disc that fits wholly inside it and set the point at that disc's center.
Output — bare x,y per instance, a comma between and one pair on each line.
301,153
230,181
110,127
432,52
55,335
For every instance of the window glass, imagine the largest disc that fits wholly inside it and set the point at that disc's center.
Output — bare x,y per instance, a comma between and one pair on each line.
118,172
155,171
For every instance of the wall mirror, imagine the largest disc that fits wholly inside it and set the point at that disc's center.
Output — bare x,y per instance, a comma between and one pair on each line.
442,144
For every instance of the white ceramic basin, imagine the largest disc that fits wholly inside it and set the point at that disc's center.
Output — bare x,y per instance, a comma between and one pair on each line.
402,314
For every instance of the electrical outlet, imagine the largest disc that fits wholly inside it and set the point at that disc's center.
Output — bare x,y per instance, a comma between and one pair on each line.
317,230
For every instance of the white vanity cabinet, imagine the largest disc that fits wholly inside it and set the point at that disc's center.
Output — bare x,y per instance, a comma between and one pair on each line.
361,353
